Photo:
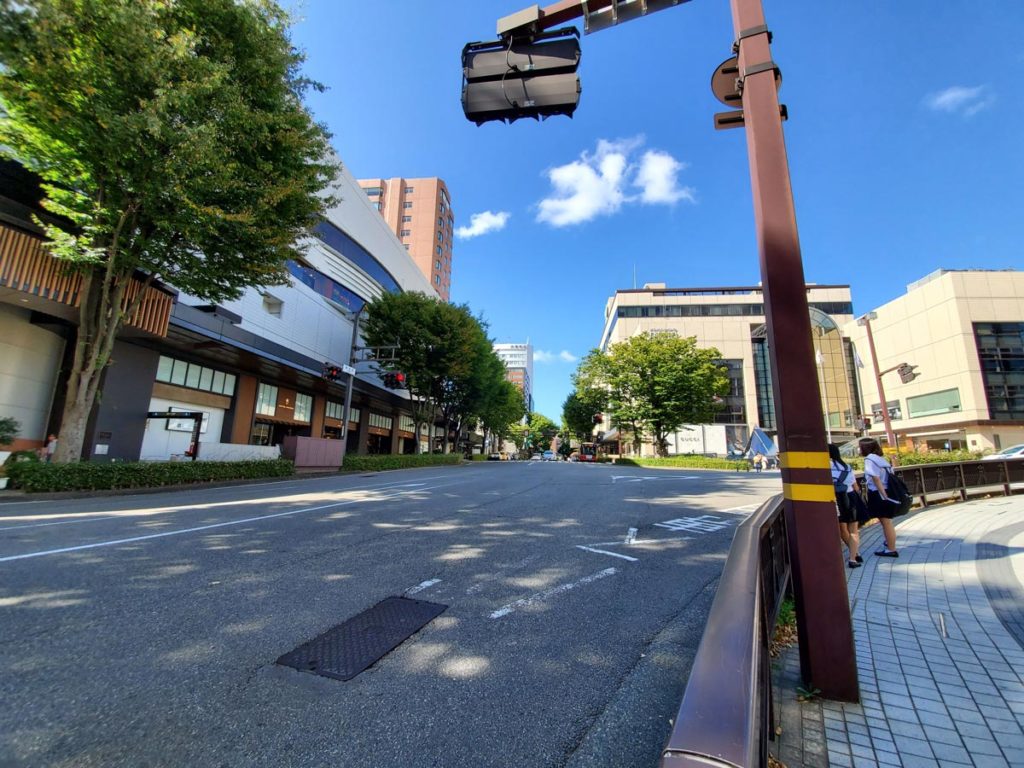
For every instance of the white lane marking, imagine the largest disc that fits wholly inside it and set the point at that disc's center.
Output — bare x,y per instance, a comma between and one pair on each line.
604,552
541,596
161,535
421,586
129,513
744,508
630,536
701,524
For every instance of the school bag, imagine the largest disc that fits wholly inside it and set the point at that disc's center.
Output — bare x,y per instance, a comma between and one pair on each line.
839,483
897,490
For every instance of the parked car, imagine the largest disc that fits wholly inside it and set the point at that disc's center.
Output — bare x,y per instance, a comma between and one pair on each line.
549,455
535,457
1013,452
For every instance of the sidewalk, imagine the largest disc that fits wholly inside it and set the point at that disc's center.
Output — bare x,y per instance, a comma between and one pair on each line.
940,649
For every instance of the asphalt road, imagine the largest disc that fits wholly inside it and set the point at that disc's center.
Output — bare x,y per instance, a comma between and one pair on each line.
143,630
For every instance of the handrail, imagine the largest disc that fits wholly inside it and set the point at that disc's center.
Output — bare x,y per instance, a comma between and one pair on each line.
959,477
724,718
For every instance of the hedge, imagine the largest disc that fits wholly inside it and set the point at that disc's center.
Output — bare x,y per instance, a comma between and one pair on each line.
36,477
398,461
694,462
907,459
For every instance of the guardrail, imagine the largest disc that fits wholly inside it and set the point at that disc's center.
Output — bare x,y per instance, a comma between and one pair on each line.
959,478
726,717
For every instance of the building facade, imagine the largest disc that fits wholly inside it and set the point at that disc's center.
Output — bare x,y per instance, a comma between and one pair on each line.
963,333
253,366
732,320
518,360
419,212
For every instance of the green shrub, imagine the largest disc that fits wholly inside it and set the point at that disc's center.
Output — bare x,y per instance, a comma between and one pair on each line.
479,457
399,461
37,476
908,459
9,429
17,456
693,462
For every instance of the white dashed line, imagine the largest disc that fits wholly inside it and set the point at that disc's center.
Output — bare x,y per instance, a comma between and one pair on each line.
604,552
421,586
541,596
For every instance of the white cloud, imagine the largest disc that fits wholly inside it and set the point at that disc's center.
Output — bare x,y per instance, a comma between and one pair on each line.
959,99
657,178
595,184
544,356
482,223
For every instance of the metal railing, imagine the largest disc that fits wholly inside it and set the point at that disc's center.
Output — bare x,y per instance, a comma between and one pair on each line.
959,478
726,716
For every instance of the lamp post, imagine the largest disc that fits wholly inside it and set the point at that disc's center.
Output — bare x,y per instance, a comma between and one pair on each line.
865,321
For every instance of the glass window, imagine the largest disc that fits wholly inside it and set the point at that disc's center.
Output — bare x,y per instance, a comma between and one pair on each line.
163,370
335,410
303,407
206,379
408,190
407,246
406,233
178,374
440,237
437,265
218,382
437,279
266,400
439,250
947,401
229,384
373,191
354,414
407,205
406,219
325,286
380,206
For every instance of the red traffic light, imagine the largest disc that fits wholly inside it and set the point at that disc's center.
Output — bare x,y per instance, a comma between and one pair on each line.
332,372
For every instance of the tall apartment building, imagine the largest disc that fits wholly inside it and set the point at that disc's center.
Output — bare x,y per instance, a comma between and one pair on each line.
419,211
518,360
963,331
732,320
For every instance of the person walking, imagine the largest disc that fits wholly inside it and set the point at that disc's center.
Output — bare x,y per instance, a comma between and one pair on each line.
758,459
847,498
50,448
876,469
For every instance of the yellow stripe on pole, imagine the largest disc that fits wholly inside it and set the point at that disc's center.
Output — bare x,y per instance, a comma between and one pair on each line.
804,460
808,492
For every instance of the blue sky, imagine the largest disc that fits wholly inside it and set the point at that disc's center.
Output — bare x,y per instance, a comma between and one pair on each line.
903,140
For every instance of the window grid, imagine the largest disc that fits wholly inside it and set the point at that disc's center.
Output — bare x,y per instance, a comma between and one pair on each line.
266,400
303,407
181,373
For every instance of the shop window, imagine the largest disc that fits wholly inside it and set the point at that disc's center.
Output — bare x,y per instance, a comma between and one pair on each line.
266,400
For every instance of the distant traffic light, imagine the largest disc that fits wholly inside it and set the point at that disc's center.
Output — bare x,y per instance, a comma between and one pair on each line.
532,76
598,418
394,380
332,372
906,372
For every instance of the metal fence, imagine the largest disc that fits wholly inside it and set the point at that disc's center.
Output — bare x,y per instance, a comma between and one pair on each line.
960,479
726,716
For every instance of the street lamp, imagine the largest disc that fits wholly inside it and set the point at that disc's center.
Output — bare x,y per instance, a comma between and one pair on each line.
865,321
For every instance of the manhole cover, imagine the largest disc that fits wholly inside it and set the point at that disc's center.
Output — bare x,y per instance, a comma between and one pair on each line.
344,651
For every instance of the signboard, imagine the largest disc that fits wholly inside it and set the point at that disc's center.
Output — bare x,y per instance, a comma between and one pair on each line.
184,424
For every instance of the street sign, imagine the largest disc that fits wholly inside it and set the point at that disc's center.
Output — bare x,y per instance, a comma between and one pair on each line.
348,369
725,82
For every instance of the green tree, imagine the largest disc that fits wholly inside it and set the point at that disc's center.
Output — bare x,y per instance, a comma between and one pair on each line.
657,382
172,143
578,412
542,430
502,409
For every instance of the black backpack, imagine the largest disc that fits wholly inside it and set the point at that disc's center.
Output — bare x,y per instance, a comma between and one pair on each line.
897,490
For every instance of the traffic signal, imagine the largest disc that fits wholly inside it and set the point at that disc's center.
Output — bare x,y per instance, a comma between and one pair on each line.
527,76
332,372
906,372
598,418
394,380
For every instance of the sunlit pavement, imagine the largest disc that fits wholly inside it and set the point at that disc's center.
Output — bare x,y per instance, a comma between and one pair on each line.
143,630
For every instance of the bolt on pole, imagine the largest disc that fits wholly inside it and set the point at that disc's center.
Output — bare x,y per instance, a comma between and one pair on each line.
825,629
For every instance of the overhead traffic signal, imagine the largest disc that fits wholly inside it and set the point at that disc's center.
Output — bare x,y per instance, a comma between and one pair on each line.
332,372
394,380
525,76
907,373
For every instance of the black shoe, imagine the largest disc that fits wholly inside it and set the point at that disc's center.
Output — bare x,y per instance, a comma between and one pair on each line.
887,553
852,564
859,559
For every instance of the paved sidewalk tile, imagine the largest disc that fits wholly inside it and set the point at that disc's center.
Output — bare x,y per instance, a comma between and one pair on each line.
941,669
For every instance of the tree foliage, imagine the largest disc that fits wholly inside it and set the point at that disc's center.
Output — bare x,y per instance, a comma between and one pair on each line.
655,383
173,146
541,431
578,412
449,362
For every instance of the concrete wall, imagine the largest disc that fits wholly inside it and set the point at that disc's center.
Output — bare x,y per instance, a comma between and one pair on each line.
160,443
29,362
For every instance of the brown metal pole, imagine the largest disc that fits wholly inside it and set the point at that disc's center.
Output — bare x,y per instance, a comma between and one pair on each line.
890,437
827,653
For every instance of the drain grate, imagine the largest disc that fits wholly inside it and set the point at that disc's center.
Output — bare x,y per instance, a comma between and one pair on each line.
344,651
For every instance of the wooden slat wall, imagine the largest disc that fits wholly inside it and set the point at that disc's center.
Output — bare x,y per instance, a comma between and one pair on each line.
25,266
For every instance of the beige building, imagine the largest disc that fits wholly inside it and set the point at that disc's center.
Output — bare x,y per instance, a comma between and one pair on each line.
419,211
518,360
732,320
963,331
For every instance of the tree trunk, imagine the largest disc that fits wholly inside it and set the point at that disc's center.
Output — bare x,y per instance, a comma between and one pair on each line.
100,320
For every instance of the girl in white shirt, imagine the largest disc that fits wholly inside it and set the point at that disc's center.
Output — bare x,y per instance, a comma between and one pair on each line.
846,503
876,470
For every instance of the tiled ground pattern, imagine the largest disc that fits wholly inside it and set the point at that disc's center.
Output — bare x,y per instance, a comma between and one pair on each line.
941,677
